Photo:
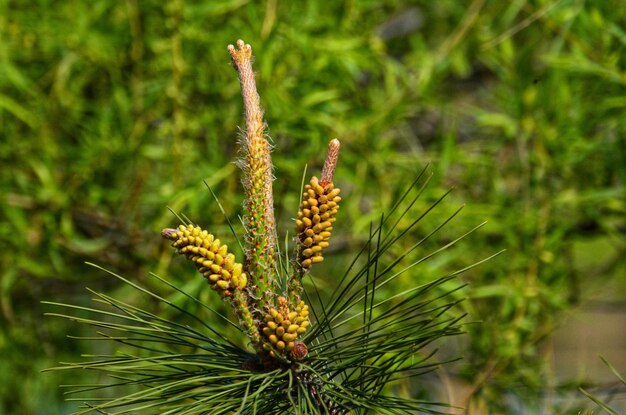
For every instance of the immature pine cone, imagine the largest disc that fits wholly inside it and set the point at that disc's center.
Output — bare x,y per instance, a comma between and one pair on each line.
282,328
213,260
314,223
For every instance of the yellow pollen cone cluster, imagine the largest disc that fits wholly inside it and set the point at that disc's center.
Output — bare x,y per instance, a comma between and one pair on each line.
281,329
211,258
315,218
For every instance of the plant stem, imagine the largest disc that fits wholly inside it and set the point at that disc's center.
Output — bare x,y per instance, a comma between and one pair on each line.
261,240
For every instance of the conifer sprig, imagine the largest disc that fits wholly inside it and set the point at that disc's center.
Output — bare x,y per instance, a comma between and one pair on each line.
366,338
343,355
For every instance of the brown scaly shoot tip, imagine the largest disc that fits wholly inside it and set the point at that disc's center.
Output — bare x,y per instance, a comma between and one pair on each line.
169,233
242,59
331,162
243,53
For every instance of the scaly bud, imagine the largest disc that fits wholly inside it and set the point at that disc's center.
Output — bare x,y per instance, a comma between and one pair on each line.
318,209
209,256
219,268
283,327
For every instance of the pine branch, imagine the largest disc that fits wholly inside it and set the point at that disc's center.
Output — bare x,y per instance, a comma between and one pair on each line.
365,335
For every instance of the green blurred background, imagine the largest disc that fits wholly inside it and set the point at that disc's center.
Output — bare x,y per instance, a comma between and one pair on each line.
112,111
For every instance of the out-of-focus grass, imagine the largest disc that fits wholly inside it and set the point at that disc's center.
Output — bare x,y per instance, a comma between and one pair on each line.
109,111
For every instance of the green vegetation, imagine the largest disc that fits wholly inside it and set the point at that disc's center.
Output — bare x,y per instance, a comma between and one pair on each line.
111,111
603,403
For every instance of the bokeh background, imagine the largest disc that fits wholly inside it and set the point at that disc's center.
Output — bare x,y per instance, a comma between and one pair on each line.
113,111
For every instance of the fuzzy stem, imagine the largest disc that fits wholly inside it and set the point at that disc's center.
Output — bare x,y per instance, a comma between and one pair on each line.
239,301
331,162
261,240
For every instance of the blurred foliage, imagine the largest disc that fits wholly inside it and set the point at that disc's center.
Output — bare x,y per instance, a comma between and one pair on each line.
111,111
604,403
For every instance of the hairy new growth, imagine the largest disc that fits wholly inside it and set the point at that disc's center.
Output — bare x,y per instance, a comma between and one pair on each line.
256,164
